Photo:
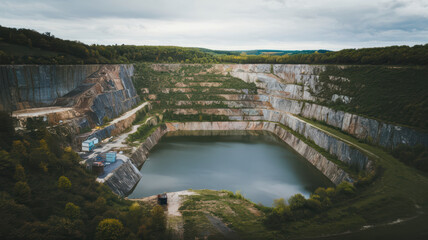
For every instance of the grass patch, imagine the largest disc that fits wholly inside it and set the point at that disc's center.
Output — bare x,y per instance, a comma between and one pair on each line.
393,94
238,214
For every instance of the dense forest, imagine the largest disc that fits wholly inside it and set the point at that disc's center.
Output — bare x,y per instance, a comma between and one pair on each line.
47,194
25,46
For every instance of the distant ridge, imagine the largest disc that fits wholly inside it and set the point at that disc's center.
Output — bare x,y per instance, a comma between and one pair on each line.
262,52
26,46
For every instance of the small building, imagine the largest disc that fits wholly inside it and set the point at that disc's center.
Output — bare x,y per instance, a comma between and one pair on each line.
98,168
95,140
111,157
162,199
88,145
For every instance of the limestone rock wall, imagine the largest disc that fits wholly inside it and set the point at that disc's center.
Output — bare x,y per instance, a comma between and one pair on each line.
343,151
93,91
120,99
139,156
285,85
371,130
25,86
123,179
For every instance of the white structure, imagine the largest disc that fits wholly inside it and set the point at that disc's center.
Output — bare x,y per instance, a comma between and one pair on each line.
89,144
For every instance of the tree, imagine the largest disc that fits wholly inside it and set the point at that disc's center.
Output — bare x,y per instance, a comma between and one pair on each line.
22,192
109,229
7,130
64,183
20,173
19,151
7,164
72,211
297,201
158,219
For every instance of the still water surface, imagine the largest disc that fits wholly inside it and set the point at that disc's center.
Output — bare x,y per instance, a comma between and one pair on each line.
262,167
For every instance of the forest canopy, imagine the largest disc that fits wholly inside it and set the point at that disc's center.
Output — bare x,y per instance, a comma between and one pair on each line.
25,46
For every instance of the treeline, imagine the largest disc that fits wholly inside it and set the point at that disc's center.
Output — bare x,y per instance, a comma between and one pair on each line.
74,52
394,55
46,194
58,51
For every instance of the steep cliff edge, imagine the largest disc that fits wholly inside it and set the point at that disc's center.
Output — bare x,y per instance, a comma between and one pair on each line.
87,92
26,86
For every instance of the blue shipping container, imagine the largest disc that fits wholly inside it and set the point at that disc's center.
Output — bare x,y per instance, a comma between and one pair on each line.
111,157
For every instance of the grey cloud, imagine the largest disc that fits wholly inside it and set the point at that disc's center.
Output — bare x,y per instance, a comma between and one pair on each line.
226,23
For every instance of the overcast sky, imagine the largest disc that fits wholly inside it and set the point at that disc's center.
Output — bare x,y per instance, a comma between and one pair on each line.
226,24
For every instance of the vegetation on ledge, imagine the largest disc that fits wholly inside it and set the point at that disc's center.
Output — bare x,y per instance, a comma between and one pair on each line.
393,94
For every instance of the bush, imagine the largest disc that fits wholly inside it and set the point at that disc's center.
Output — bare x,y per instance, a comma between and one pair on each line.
64,183
109,229
106,120
416,156
345,189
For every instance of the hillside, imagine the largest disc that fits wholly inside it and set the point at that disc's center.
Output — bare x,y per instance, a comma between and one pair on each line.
46,194
74,52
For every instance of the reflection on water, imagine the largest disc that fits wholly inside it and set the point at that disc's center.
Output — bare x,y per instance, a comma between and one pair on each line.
262,167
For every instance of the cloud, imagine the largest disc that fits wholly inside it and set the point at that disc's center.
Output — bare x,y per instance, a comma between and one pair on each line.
227,24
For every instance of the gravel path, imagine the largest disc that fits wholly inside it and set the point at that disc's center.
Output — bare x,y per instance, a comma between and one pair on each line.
34,112
175,200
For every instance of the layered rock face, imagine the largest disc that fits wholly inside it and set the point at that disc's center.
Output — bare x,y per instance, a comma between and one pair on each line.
284,86
289,87
25,86
343,151
141,154
371,130
118,93
92,92
123,179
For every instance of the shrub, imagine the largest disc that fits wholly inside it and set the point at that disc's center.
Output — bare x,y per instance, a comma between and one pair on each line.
416,156
238,195
345,188
109,229
64,183
106,120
